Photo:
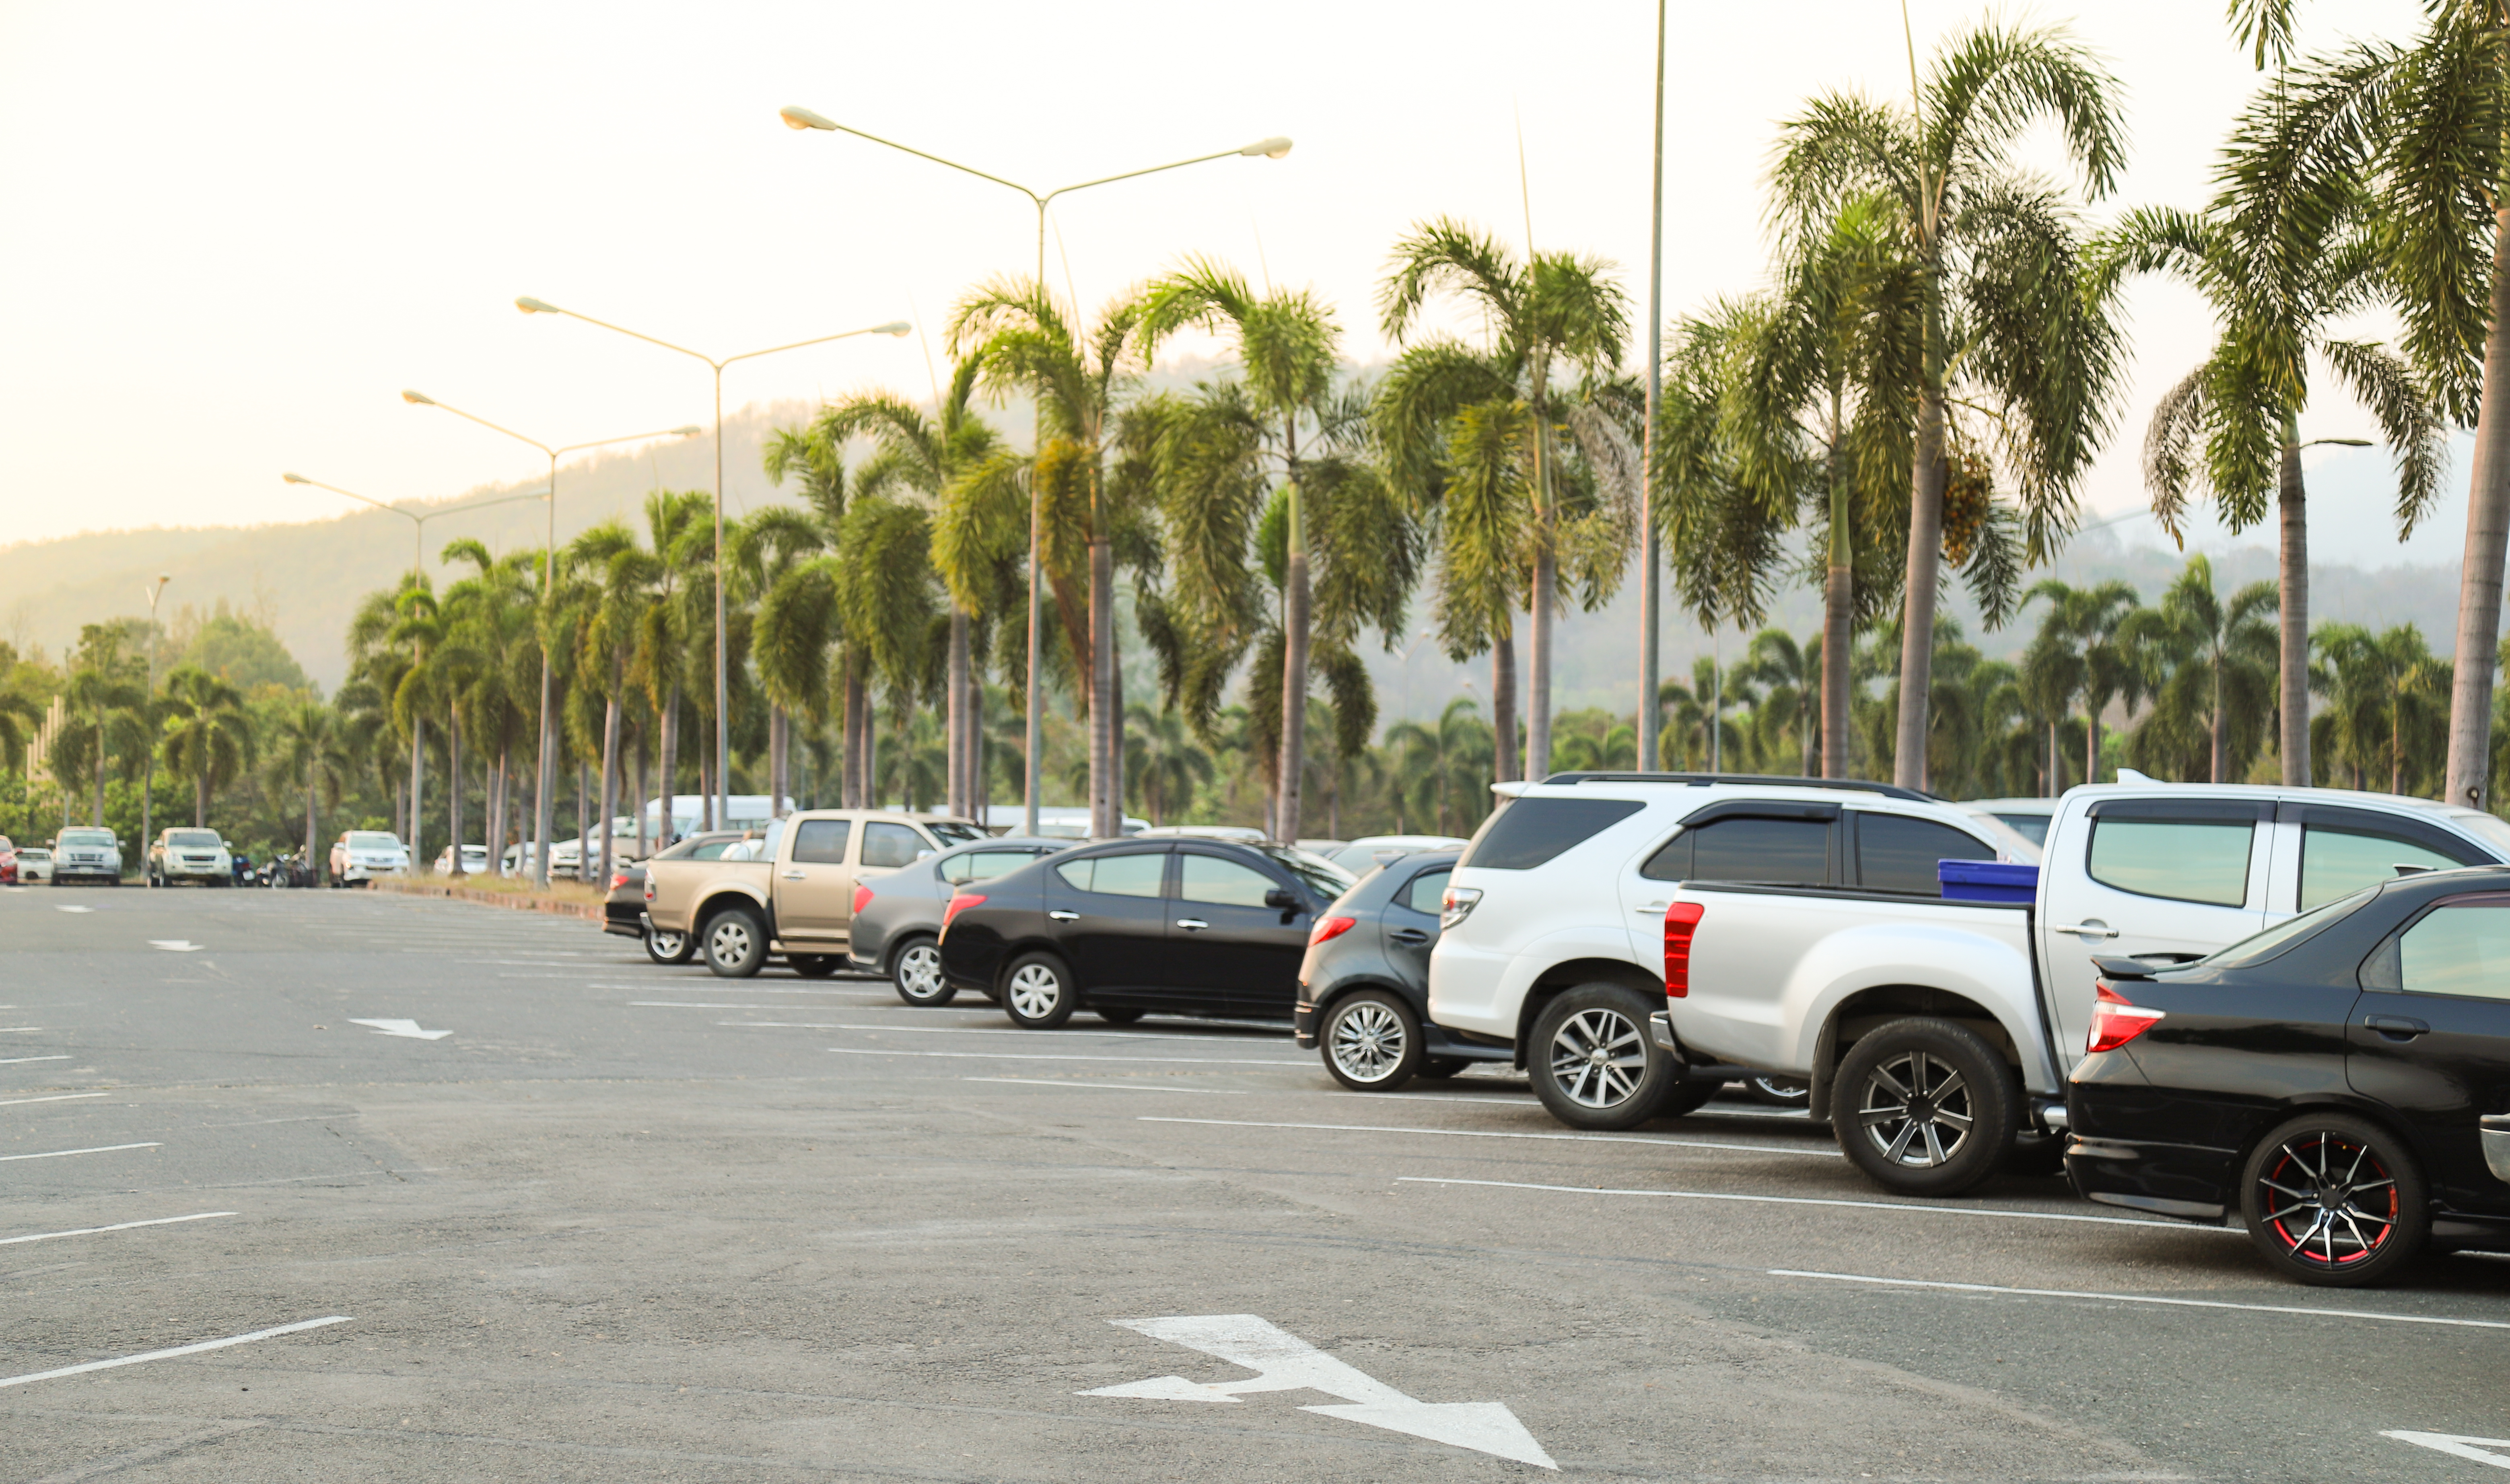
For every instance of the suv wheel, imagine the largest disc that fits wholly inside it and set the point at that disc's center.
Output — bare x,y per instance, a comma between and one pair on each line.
668,947
915,970
2334,1200
1591,1061
1925,1106
1038,992
736,943
1372,1042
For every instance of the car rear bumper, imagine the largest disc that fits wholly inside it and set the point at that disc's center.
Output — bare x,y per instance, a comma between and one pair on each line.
2187,1181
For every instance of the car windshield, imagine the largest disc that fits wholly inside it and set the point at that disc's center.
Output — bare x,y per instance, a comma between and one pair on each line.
2259,947
1324,877
192,838
90,838
372,840
952,832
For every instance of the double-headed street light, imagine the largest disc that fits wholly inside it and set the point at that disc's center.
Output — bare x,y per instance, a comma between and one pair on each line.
1270,149
547,778
720,804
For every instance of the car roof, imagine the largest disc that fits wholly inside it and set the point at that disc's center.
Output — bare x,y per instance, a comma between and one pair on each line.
1745,779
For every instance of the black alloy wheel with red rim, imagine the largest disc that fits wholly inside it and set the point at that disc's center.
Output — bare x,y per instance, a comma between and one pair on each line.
2333,1200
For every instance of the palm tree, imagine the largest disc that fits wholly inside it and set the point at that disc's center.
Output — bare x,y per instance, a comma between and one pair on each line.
2211,669
2084,658
885,593
626,576
105,708
1449,766
1166,767
2008,328
1547,312
312,745
208,737
2387,692
2280,268
1792,672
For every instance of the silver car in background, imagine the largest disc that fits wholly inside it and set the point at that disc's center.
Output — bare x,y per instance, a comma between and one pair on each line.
87,852
897,914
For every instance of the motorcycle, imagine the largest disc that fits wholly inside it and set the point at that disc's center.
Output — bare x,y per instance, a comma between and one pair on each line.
290,869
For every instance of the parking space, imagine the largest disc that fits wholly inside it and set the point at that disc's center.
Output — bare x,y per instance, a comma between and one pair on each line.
355,1186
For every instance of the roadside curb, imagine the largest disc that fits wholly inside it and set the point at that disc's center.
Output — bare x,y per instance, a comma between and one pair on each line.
511,903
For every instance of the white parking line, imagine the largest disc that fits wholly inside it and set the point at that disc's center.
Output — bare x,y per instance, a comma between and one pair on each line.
1165,1061
1527,1101
180,1350
101,1149
965,1030
1866,1205
11,1061
2142,1298
12,1030
57,1097
119,1226
1049,1081
1488,1133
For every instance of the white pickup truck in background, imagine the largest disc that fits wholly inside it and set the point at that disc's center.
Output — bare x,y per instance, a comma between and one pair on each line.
1782,932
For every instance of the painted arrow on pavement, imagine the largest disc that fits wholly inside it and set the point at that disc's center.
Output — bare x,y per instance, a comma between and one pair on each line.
407,1028
177,944
1284,1362
2476,1449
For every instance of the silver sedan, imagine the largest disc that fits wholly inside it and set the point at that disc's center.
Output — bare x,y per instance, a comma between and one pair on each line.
896,929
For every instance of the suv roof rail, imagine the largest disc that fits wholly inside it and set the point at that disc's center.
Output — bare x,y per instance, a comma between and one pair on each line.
1762,780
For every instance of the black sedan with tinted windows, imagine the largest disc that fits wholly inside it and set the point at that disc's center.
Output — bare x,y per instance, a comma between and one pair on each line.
2340,1082
1125,928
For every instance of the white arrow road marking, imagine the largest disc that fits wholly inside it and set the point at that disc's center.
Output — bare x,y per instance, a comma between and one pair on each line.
1284,1362
177,944
180,1350
2476,1449
407,1028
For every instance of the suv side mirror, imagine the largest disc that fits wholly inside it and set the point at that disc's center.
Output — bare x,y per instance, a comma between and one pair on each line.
1281,898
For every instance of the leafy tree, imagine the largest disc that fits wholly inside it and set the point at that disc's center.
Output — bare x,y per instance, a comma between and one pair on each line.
2211,669
207,738
310,743
2388,711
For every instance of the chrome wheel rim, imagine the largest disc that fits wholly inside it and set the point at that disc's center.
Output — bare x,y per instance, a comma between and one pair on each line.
1598,1059
728,942
919,971
1367,1041
1916,1111
1035,991
665,946
2329,1201
1779,1087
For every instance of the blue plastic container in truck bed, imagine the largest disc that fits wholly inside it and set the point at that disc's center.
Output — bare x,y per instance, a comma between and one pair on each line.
2000,881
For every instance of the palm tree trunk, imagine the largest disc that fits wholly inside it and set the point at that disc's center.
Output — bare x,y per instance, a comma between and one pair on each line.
2222,733
645,776
962,783
311,863
1537,665
453,786
2488,528
1294,673
1104,806
582,831
1927,478
200,801
2292,575
2091,739
1503,754
417,796
851,776
1838,618
670,763
609,774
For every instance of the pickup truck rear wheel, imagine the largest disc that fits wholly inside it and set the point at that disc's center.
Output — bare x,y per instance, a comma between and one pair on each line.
736,943
1591,1062
1038,992
1925,1106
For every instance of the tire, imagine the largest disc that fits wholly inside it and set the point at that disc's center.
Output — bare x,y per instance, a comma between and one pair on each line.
1444,1066
1689,1096
1777,1091
669,947
2382,1215
814,966
1038,992
735,941
1940,1135
1593,1063
1119,1014
1371,1041
915,973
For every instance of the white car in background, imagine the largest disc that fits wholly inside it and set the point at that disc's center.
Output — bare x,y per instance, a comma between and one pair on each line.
361,854
474,860
199,855
87,852
34,864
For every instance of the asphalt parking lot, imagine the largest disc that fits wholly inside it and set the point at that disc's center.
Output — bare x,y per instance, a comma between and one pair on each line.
476,1195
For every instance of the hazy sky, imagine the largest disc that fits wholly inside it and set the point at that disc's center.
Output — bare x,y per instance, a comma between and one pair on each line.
236,231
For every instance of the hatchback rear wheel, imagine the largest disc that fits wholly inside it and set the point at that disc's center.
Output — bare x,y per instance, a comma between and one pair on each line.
2334,1200
915,973
1372,1042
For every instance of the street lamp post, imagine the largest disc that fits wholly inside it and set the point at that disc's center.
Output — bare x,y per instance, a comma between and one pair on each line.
546,776
1271,149
1650,621
148,708
721,803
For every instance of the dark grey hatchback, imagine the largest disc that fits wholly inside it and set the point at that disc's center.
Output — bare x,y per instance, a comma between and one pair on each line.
1364,985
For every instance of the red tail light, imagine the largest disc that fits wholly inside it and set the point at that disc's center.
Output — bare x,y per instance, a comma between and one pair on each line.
957,904
1331,927
617,879
2117,1020
648,889
1679,920
862,895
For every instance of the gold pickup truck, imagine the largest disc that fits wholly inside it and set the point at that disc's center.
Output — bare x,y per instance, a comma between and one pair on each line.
790,891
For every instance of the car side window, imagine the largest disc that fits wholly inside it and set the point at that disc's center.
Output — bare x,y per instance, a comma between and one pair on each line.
890,845
1223,883
984,865
1133,874
1531,831
2341,852
2460,948
821,842
714,850
1748,848
2179,856
1423,892
1895,853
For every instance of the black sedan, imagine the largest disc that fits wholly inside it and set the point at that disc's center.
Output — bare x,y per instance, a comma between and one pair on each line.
623,911
897,914
1124,928
1364,985
2341,1080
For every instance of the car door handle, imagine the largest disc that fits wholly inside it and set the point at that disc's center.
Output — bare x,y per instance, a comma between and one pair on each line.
1651,909
2397,1027
1065,917
797,875
1191,923
2086,929
1410,936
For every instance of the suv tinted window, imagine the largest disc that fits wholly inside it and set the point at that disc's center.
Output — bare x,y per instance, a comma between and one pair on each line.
1531,831
888,845
1423,892
1133,874
2461,948
984,865
1751,848
2183,855
821,842
1895,853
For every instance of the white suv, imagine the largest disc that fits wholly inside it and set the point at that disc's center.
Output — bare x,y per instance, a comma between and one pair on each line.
362,855
1538,951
